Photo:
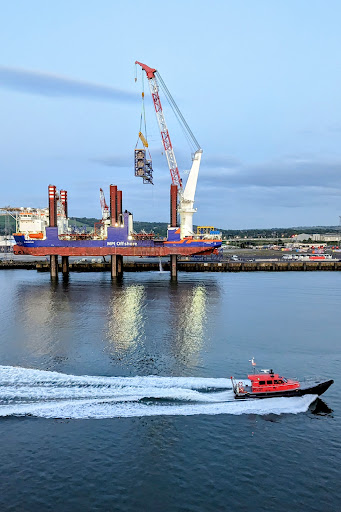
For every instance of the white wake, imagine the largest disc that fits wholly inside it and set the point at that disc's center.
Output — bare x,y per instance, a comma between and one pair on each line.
45,394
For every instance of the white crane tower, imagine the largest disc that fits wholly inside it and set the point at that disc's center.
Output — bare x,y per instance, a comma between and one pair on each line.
185,195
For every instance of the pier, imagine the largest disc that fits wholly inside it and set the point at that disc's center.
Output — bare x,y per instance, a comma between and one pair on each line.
182,266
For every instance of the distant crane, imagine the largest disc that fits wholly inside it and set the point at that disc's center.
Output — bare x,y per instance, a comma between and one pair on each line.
104,206
100,228
185,195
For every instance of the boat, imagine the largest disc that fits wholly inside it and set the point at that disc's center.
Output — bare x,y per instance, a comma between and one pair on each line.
46,232
268,384
117,240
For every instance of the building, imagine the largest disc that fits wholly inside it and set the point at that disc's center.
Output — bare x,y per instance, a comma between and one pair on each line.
326,237
6,243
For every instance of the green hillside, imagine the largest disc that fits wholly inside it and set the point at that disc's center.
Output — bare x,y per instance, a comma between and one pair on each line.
160,228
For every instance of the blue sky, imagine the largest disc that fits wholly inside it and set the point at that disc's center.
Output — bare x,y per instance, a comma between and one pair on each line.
257,81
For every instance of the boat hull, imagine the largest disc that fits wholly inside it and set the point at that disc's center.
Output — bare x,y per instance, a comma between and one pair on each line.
118,242
139,250
317,388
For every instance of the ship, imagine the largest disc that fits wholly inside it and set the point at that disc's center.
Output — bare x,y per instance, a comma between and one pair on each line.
49,234
269,384
114,235
118,241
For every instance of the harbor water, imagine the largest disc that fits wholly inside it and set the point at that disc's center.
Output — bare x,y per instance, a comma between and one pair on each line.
117,396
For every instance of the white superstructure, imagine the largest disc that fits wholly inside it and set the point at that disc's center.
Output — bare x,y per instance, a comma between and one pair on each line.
32,222
186,202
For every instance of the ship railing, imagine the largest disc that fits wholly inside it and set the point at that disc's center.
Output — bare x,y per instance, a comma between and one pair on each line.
143,235
239,386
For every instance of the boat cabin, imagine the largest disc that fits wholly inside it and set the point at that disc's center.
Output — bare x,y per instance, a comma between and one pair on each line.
269,381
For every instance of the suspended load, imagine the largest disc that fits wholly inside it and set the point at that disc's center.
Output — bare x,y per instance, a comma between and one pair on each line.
143,165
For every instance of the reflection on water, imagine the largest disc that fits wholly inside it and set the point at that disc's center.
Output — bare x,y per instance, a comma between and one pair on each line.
157,318
189,319
146,322
125,317
37,318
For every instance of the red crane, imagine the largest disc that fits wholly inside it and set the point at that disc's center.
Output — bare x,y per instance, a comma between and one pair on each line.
104,206
185,194
166,141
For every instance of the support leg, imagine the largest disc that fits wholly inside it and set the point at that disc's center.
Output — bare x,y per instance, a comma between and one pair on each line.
65,265
54,266
119,265
113,266
116,266
174,266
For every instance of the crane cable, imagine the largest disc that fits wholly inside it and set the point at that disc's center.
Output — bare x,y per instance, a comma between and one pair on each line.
186,129
143,118
190,143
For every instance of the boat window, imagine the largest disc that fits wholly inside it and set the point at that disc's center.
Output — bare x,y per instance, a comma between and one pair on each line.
262,382
269,381
278,381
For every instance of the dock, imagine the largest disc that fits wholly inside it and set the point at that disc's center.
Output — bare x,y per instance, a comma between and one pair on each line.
183,266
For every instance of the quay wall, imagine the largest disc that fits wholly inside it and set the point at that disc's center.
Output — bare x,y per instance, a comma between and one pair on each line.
188,266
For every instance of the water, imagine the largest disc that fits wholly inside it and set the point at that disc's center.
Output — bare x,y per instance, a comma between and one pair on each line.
160,265
117,397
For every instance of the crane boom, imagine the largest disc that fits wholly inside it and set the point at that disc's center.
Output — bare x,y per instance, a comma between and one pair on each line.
166,141
185,195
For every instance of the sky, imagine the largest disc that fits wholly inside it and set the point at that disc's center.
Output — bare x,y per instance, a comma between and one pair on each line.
258,82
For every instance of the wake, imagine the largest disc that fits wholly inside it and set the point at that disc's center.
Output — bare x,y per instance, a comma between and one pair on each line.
28,392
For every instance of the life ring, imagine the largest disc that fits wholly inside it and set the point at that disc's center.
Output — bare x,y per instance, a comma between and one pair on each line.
240,387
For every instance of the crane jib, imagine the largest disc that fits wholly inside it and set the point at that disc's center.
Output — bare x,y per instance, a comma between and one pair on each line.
186,194
153,76
157,102
167,144
166,141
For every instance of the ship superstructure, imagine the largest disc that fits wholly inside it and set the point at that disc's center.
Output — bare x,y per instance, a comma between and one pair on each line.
32,222
115,237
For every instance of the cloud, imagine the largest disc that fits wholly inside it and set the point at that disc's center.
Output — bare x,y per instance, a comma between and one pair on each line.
45,84
123,160
292,182
224,161
293,172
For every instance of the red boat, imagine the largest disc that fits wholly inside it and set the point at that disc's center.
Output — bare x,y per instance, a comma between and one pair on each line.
269,384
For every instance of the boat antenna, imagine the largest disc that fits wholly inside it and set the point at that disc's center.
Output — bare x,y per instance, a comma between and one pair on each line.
253,363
